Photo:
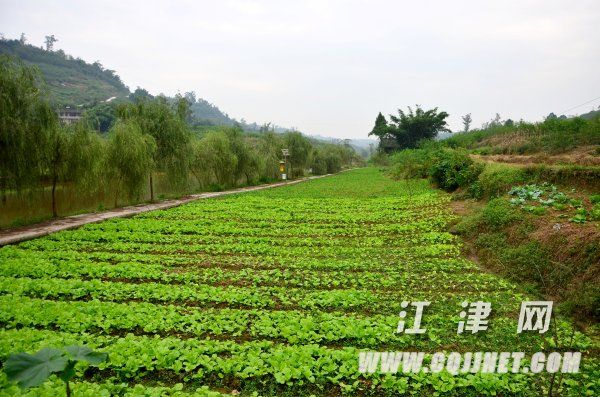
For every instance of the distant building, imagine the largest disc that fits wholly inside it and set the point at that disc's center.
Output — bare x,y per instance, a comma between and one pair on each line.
69,115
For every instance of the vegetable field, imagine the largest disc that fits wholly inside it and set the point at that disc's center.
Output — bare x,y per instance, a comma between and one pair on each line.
271,293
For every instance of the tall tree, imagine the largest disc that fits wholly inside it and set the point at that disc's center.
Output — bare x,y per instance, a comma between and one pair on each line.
413,126
466,122
380,129
171,134
23,39
72,155
25,120
50,40
214,154
129,160
299,147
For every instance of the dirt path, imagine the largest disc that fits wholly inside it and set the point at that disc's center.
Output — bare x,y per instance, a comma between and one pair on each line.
16,235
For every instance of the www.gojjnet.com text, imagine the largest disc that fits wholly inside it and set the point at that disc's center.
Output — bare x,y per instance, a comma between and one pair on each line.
469,362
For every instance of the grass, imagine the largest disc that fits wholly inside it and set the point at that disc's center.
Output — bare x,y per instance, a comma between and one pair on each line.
273,292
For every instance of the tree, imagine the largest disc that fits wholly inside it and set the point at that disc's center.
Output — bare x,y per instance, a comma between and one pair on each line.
380,129
413,126
215,155
300,148
25,120
170,133
466,122
23,39
140,94
101,117
247,161
72,154
269,149
50,40
129,158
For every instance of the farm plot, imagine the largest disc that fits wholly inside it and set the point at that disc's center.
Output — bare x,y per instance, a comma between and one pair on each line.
270,293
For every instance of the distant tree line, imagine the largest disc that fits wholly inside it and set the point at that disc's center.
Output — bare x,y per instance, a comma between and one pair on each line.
147,138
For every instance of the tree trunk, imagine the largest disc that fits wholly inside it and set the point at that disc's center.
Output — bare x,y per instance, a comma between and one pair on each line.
68,389
151,189
54,181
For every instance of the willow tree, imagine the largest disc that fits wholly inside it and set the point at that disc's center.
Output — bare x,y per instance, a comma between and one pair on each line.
269,150
215,155
166,124
73,155
300,150
247,164
25,120
129,158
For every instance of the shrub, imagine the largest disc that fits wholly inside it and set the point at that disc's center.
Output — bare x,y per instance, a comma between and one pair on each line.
451,169
497,179
527,262
411,163
498,213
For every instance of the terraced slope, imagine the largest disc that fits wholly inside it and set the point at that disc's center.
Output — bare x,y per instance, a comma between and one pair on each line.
273,292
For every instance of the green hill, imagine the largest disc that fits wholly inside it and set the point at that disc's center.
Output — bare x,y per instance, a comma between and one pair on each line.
70,81
74,82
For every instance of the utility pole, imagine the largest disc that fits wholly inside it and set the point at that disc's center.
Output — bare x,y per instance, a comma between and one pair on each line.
283,167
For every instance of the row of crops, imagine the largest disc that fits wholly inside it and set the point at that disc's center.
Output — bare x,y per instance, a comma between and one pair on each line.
269,293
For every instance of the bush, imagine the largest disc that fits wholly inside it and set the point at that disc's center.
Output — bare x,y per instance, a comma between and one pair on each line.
452,169
497,179
498,213
411,163
526,262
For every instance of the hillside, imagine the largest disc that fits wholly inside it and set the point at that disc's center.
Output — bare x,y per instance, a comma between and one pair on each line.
70,81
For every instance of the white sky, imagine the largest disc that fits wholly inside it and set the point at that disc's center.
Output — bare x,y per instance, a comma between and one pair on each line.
328,67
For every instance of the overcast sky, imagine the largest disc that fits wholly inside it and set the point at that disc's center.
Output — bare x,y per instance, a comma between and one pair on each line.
328,67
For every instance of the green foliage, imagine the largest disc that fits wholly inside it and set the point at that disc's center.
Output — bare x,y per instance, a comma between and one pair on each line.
166,125
409,128
130,158
33,370
26,119
71,81
498,213
554,135
411,163
72,153
300,150
451,169
528,261
381,127
448,168
101,117
274,292
496,180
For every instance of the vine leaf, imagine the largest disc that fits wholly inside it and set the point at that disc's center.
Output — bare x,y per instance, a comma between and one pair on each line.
32,370
84,353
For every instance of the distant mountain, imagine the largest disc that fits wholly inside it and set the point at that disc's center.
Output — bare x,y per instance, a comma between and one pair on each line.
590,115
204,111
71,81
